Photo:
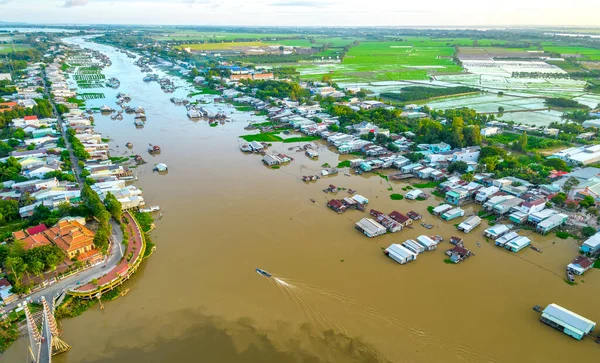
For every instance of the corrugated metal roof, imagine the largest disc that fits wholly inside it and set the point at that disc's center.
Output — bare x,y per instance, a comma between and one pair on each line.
401,252
569,317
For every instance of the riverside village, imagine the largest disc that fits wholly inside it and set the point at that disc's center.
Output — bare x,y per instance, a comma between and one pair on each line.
389,179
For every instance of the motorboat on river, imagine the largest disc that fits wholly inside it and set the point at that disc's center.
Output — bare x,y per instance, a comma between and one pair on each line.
263,272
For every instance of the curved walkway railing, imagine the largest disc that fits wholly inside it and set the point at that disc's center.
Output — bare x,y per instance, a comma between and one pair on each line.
136,245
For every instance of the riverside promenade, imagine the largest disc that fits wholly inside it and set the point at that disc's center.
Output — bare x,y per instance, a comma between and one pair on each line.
133,256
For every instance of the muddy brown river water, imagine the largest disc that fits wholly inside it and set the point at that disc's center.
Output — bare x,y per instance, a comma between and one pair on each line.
337,297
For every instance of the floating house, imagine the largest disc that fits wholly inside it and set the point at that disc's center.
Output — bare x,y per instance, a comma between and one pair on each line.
414,215
360,199
425,173
469,224
401,218
413,246
440,209
271,160
517,244
551,222
592,245
504,239
336,205
428,243
413,194
410,168
370,228
457,196
453,214
580,265
518,217
506,205
386,221
496,231
400,254
566,321
537,217
256,146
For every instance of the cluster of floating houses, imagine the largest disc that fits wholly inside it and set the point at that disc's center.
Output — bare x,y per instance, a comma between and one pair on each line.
410,249
382,223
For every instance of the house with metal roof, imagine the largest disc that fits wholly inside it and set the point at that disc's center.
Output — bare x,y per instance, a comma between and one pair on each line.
457,196
469,224
552,222
533,205
413,246
537,217
496,231
591,245
370,228
400,254
484,193
453,214
580,265
441,209
489,205
504,239
413,194
506,206
518,217
428,243
566,321
517,244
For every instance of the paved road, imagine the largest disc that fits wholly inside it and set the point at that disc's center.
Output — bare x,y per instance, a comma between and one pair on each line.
82,278
63,132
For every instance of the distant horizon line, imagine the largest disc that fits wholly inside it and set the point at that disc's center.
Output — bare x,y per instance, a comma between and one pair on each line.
450,27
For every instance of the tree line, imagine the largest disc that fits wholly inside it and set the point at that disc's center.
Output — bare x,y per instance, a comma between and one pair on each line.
415,93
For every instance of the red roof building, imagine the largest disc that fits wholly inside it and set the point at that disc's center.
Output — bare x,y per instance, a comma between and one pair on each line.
401,218
37,229
7,106
336,205
30,118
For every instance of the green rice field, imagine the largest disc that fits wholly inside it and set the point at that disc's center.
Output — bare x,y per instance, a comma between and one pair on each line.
586,53
8,48
413,59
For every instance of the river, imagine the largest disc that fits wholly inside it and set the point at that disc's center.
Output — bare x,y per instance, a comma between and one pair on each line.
338,298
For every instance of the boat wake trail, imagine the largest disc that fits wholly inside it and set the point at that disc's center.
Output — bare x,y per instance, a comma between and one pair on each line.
296,290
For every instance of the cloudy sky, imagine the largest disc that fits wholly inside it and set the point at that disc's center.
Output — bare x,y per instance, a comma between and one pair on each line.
305,12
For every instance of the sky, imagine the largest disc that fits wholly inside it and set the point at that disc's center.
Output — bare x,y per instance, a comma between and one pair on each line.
306,12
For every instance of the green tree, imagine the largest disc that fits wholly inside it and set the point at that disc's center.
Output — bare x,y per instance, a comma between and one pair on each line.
327,78
472,135
458,166
195,73
559,199
457,138
556,164
468,177
587,201
569,184
113,206
521,143
500,109
490,163
588,231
